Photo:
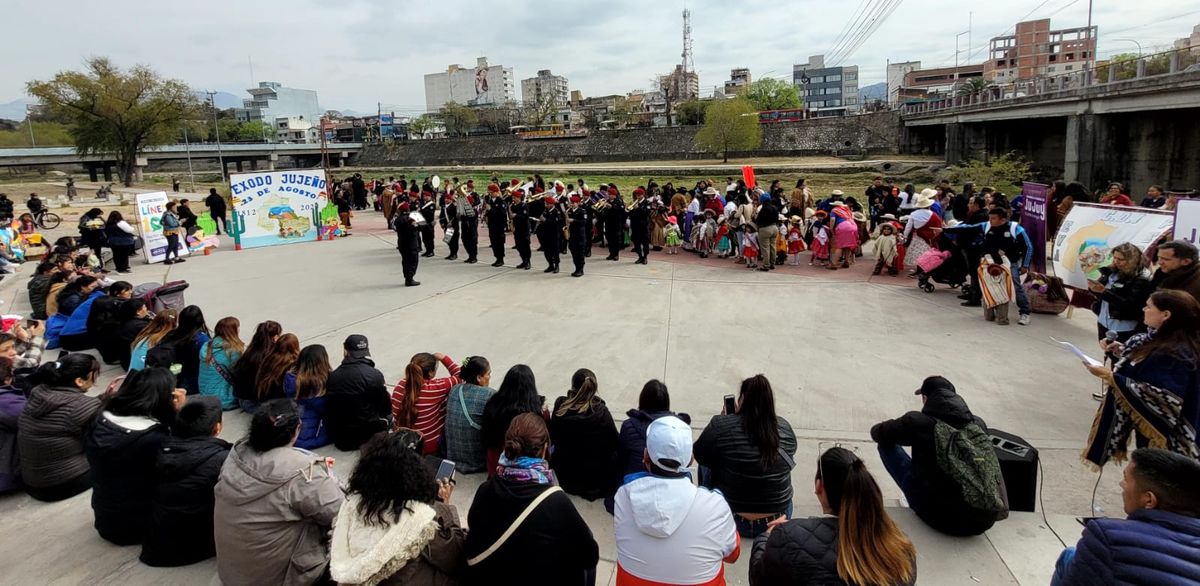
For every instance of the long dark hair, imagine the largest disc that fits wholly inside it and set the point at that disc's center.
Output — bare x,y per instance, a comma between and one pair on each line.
274,425
388,477
654,397
871,548
1179,335
260,345
64,372
312,372
582,394
75,286
473,368
190,323
758,417
148,393
421,368
275,365
517,394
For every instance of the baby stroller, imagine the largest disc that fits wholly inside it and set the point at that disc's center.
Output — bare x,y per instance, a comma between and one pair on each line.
946,266
159,297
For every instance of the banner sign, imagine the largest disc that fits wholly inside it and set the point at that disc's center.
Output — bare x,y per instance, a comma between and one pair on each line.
150,209
276,207
1187,220
1088,234
1033,219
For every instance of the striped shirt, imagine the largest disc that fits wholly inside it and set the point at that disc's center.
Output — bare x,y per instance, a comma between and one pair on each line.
430,421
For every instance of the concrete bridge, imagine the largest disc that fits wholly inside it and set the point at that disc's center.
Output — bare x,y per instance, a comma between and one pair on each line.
238,154
1087,126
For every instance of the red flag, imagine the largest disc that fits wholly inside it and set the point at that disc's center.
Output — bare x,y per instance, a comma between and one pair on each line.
748,176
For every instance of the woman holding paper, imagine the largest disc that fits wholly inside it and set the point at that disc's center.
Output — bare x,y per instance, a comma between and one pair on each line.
1154,389
1121,293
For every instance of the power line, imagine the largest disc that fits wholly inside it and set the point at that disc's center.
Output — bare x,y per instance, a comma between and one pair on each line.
861,27
878,22
855,16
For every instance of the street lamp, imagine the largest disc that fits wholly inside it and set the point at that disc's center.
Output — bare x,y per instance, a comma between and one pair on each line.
1134,41
29,120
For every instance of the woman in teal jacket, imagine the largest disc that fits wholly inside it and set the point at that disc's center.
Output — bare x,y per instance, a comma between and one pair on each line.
217,358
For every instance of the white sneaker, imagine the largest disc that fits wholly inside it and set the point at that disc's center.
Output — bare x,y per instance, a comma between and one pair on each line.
1023,320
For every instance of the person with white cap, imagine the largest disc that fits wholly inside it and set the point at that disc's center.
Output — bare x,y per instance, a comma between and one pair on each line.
669,531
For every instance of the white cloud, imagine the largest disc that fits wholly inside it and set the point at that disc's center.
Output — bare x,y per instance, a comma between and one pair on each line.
360,52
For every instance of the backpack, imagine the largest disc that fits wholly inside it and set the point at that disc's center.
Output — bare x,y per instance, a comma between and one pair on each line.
967,456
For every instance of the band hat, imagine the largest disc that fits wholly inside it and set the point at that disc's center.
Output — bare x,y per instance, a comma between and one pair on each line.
672,220
669,443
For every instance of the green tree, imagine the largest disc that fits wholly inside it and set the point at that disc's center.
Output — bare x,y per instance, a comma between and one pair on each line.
691,112
1005,172
972,86
769,93
730,125
45,134
255,130
116,112
459,119
421,125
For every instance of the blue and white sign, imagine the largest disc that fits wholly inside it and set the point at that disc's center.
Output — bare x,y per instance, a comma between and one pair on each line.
277,207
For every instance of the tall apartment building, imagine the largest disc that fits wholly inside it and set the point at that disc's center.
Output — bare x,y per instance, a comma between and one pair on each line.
1190,42
483,85
682,86
271,101
1034,50
827,91
546,86
739,80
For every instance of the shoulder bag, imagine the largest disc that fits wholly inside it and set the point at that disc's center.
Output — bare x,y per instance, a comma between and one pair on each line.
516,524
462,401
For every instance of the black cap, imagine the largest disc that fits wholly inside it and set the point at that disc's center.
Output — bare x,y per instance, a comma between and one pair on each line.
933,384
356,346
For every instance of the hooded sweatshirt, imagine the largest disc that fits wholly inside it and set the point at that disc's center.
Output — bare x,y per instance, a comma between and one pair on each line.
422,547
122,451
272,512
669,531
50,435
181,523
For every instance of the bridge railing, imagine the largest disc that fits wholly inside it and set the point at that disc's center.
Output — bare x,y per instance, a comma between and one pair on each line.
1149,66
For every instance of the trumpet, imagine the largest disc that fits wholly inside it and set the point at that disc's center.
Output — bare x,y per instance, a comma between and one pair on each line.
601,205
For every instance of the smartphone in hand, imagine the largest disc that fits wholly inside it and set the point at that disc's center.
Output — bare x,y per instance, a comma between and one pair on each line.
445,471
730,405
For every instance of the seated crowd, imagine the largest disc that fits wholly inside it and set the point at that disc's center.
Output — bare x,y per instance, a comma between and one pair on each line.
271,511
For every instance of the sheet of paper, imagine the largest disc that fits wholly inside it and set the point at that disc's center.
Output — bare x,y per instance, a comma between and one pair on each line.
1073,349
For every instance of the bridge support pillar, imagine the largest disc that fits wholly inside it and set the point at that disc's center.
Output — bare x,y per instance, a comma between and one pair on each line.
253,164
139,166
93,173
965,141
1079,160
271,161
108,175
239,165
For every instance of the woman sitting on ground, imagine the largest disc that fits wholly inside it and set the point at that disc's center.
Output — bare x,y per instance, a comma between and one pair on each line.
747,455
275,367
245,371
584,438
75,293
855,542
305,384
51,428
552,544
1154,389
274,504
464,416
151,336
217,359
189,335
517,394
133,317
419,401
396,526
122,449
653,402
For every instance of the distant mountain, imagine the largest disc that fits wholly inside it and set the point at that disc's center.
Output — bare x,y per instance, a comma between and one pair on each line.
223,100
875,91
14,110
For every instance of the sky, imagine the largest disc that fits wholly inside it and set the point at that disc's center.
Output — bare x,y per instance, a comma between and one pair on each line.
359,53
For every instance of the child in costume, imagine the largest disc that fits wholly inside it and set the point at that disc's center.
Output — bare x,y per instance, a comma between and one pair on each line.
820,243
750,246
724,241
887,250
795,241
674,237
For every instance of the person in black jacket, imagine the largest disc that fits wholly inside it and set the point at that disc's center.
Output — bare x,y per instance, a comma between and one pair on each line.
521,227
408,241
1121,293
553,545
181,521
190,334
517,394
429,213
653,402
809,551
133,317
614,224
357,403
639,226
747,455
104,321
216,210
549,231
122,449
933,495
584,438
580,234
496,212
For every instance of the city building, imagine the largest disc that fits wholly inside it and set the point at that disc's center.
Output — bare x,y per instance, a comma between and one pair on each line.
1034,50
827,91
937,80
681,86
483,85
1191,42
895,78
296,130
545,87
739,79
271,101
595,112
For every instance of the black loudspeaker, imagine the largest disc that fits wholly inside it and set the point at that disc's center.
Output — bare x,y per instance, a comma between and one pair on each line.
1019,464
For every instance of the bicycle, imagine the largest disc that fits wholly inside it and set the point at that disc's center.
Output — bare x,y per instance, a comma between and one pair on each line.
46,219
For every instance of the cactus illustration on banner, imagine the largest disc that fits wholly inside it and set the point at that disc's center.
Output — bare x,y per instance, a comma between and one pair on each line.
236,227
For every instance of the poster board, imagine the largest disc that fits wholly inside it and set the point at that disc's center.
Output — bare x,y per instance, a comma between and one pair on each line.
1033,219
276,207
1088,234
1187,220
150,209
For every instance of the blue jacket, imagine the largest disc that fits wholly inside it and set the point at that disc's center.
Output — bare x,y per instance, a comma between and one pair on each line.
78,320
313,433
1150,547
210,380
1018,231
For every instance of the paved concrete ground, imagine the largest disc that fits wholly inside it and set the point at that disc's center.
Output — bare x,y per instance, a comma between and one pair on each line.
843,351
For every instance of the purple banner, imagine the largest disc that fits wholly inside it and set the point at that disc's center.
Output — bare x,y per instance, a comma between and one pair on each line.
1033,219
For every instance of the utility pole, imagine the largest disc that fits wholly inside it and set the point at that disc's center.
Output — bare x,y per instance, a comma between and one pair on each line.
188,146
29,120
1092,51
220,156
